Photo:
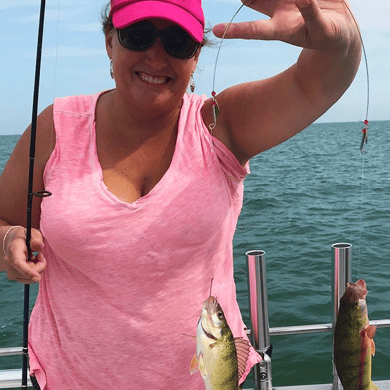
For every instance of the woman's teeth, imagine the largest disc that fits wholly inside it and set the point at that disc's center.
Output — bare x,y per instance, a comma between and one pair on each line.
153,80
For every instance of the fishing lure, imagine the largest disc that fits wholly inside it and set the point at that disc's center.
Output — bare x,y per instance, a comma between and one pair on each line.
364,136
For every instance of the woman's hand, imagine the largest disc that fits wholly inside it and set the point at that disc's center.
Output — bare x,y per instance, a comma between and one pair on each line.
17,266
325,25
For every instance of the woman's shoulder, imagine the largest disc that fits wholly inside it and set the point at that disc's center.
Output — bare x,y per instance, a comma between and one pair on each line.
193,98
193,105
78,104
45,135
16,172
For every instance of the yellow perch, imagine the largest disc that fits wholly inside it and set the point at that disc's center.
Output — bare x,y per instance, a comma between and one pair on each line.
353,340
220,358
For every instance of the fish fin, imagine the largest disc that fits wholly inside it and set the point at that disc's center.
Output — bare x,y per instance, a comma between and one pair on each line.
370,331
202,367
372,347
188,335
242,351
194,365
368,334
367,344
212,345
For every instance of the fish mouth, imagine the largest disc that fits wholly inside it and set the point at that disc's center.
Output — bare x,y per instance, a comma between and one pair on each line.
356,292
210,304
209,335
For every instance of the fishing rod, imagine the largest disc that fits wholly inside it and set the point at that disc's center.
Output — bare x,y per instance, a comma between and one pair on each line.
31,194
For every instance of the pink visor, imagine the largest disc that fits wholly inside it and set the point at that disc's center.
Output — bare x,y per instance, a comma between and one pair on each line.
188,14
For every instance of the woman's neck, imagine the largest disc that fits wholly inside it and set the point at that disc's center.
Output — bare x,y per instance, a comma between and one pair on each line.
120,122
143,124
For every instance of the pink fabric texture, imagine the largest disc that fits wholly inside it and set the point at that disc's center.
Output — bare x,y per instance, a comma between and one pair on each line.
125,283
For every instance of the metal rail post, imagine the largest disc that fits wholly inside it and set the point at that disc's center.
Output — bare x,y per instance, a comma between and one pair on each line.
258,303
342,254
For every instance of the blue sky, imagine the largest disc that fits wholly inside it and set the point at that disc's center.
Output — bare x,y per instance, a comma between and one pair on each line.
74,59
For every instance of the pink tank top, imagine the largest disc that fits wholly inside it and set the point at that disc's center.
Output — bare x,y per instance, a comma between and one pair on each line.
125,283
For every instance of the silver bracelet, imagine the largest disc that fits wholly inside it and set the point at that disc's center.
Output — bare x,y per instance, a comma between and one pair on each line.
5,235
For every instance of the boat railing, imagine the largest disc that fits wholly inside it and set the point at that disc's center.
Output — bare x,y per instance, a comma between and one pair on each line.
260,332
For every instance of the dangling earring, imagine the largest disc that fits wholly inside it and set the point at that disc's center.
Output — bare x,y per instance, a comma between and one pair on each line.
192,83
111,69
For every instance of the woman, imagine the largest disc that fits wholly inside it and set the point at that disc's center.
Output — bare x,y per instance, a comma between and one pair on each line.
146,197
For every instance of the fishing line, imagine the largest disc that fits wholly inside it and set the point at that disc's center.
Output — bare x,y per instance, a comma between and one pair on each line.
56,58
213,93
361,214
364,135
364,138
211,286
365,122
365,59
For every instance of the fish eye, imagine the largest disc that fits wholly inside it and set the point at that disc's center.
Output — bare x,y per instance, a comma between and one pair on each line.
220,315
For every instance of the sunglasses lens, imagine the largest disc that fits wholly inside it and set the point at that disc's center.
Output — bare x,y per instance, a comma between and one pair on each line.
178,43
142,35
138,37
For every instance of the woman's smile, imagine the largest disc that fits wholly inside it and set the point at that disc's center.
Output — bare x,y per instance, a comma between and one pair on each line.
152,79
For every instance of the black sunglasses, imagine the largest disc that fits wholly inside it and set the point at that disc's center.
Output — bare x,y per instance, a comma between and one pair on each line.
141,36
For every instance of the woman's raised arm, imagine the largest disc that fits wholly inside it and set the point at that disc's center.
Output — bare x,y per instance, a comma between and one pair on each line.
258,115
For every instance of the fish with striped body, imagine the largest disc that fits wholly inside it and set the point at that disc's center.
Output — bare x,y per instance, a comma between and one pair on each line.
353,339
220,358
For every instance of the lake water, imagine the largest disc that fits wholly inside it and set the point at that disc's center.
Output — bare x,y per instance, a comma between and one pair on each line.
301,197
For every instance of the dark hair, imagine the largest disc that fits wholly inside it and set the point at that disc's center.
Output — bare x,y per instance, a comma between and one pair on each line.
107,25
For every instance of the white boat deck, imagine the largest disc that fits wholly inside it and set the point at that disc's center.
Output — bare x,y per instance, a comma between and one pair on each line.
11,379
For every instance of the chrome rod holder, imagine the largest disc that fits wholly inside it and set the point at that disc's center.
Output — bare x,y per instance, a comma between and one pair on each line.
258,303
341,275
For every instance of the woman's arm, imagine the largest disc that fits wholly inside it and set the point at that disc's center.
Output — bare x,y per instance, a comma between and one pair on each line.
258,115
13,202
